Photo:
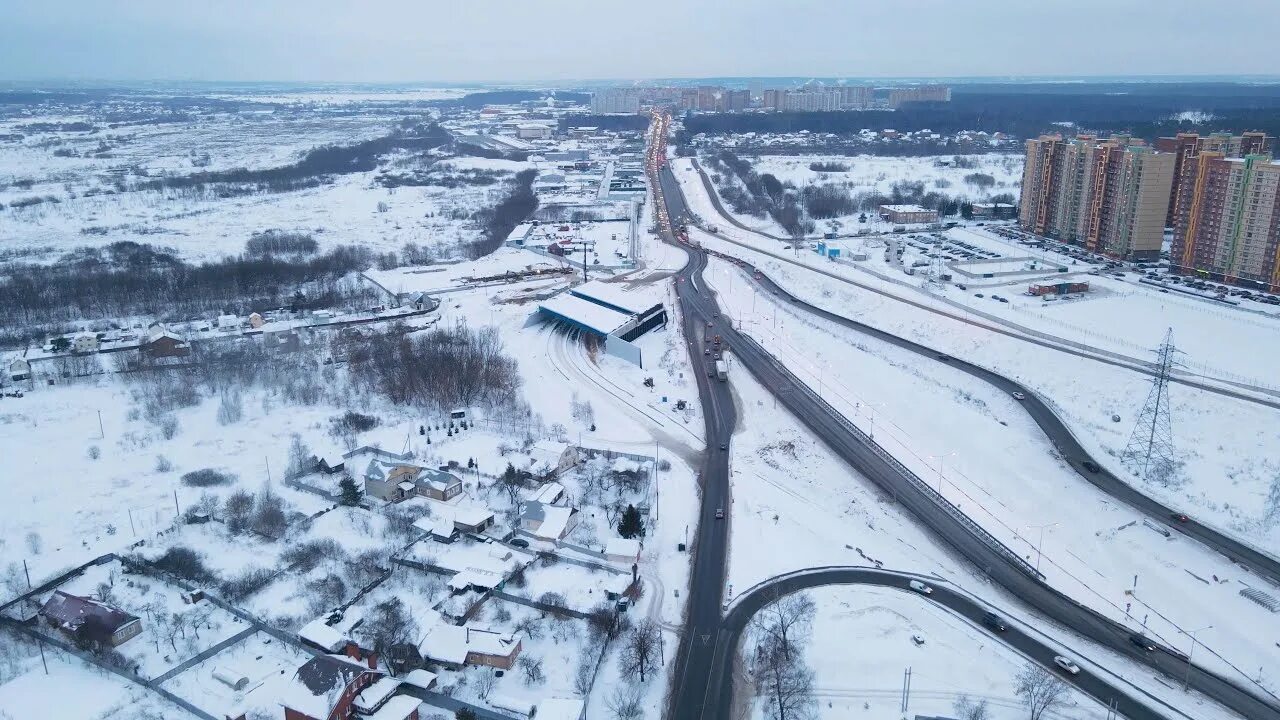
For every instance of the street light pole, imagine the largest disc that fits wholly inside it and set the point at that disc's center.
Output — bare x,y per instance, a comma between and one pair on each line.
1186,679
1040,546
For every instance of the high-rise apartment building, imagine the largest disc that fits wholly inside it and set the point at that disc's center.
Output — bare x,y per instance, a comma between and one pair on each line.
1111,196
1186,146
1228,222
919,93
615,100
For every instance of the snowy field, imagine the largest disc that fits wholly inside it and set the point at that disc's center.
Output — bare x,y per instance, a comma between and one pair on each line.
956,659
872,174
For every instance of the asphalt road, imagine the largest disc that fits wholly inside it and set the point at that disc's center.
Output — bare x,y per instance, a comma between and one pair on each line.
1057,433
703,688
1029,644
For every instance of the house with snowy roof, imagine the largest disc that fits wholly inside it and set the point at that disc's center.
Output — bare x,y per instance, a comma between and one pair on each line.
88,620
548,522
326,688
454,646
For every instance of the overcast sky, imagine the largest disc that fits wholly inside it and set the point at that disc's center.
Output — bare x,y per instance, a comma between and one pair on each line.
546,40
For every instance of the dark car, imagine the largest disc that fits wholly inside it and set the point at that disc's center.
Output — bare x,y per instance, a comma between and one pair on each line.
1091,466
994,622
724,446
1180,517
1143,642
520,543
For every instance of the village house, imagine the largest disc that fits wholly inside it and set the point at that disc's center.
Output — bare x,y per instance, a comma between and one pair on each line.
326,688
548,522
455,646
256,321
390,482
86,620
438,484
19,370
322,636
163,342
622,550
85,342
551,493
553,455
473,520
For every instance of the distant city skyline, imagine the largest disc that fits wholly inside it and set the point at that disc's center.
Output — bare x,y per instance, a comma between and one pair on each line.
497,41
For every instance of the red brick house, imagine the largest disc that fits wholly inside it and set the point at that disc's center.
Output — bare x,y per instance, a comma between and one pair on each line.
326,687
88,621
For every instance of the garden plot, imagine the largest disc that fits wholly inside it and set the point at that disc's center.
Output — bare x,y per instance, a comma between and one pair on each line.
74,690
571,585
878,174
263,660
172,629
555,647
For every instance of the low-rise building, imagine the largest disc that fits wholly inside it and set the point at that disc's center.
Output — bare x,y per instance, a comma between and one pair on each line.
437,484
163,342
548,522
86,620
994,211
19,369
326,688
908,214
455,646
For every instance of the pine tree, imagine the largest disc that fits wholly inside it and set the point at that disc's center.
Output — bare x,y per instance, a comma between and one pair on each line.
350,491
631,525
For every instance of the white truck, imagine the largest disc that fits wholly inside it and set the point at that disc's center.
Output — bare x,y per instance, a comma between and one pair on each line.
722,370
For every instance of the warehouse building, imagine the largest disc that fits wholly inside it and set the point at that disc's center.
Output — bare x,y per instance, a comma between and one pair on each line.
608,312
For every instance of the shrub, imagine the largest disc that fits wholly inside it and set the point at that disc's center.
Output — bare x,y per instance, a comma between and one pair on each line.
185,563
240,587
208,477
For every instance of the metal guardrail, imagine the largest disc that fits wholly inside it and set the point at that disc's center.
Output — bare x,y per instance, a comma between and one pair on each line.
937,497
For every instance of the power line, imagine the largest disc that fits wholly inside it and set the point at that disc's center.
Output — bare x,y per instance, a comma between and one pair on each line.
1151,453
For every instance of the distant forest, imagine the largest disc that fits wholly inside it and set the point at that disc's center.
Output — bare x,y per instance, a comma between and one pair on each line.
1143,109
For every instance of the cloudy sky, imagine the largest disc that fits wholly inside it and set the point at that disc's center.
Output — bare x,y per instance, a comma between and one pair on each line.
544,40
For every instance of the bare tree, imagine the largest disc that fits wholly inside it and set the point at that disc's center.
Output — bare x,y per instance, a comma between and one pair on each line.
625,703
786,622
484,684
532,669
785,682
640,654
389,626
1039,689
969,709
583,678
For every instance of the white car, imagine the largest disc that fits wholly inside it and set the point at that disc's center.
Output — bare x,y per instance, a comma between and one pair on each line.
1019,396
921,587
917,639
1066,664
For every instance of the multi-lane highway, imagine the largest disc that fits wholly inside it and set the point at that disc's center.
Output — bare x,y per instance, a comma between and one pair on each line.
702,686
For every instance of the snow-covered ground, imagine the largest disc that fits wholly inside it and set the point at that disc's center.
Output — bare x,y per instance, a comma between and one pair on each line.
988,457
956,659
874,174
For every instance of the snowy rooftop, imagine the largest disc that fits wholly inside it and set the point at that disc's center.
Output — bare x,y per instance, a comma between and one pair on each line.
451,643
584,312
906,208
622,546
615,295
320,634
397,708
420,678
376,694
560,709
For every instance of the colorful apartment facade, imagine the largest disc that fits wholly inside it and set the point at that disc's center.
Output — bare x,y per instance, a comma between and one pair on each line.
1228,222
1109,195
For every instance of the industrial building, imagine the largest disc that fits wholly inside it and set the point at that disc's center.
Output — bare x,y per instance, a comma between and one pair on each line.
608,312
1109,195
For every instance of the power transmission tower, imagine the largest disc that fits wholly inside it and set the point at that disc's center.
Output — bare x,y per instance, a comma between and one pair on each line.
1150,453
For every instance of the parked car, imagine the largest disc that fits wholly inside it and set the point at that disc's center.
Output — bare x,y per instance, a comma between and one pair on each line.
1066,664
994,622
921,587
520,543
